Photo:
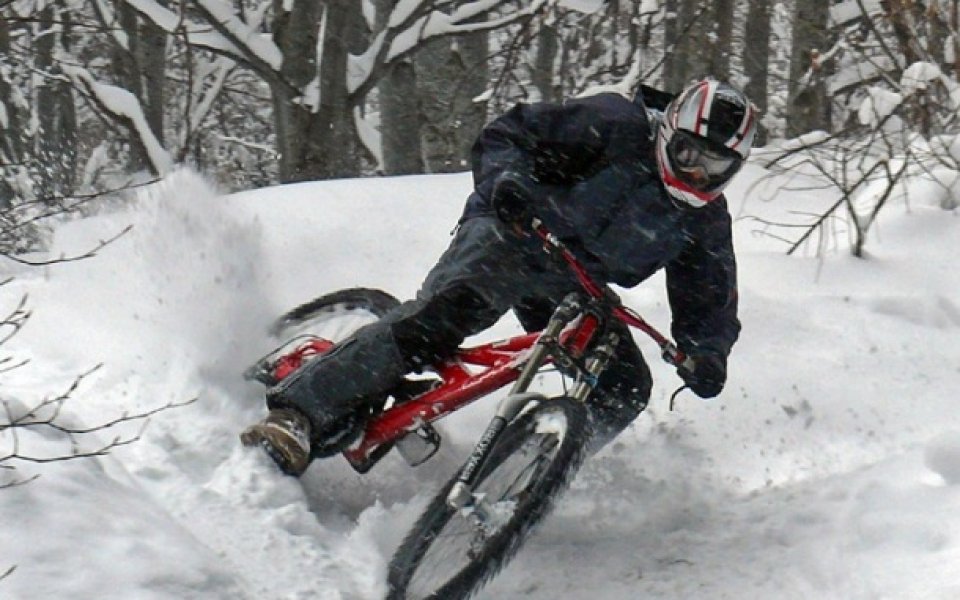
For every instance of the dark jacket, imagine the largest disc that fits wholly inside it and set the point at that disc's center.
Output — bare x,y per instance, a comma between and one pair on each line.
591,161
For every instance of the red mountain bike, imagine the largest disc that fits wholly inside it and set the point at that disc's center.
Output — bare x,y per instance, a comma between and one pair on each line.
525,457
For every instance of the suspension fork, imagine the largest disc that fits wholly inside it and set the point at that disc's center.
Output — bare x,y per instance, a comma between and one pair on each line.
509,407
600,357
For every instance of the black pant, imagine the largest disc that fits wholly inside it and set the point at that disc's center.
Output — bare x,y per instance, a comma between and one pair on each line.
485,272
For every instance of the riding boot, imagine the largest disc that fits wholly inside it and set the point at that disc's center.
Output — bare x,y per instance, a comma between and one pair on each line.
338,391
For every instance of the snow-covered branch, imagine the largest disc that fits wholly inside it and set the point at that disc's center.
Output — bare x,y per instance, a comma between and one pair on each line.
231,36
124,108
255,46
207,94
197,34
414,22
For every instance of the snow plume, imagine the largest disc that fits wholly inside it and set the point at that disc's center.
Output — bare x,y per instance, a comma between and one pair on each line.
196,263
210,281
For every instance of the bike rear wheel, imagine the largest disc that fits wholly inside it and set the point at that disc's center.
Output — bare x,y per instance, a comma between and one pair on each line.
335,315
313,327
450,554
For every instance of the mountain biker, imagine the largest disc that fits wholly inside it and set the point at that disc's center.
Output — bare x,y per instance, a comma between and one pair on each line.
631,186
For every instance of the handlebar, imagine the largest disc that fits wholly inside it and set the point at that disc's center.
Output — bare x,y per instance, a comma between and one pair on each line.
668,350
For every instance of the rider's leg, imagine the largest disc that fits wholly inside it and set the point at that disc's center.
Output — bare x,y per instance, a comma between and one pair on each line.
333,390
623,389
473,284
622,393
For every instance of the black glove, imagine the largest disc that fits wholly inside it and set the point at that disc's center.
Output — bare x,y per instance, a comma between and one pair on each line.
512,199
707,375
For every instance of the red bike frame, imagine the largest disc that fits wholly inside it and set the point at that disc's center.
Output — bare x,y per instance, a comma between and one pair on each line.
496,364
499,363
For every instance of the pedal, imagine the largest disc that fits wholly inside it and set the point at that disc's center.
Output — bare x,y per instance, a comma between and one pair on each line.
363,465
418,446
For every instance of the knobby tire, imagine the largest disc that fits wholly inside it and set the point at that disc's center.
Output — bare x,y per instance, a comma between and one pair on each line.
534,503
370,300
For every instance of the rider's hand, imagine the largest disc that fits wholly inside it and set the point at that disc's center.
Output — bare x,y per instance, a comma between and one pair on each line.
707,375
512,199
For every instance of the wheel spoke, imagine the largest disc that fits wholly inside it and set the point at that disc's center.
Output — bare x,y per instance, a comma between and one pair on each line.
466,534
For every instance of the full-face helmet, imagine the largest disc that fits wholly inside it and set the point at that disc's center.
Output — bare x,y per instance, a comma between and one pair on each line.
703,140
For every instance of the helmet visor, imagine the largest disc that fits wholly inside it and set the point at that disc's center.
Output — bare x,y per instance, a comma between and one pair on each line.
700,162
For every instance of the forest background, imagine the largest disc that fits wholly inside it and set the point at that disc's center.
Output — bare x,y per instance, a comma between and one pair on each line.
100,95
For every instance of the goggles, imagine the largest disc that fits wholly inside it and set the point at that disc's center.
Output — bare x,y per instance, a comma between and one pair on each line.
698,162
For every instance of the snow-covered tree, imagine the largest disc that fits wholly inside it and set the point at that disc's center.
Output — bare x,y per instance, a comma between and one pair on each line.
321,60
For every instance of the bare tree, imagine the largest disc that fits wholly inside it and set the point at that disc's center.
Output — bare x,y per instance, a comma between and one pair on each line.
38,128
47,415
867,165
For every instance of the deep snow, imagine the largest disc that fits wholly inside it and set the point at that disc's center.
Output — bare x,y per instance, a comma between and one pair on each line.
828,469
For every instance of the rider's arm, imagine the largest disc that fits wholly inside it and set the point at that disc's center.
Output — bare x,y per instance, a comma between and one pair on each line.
702,286
557,144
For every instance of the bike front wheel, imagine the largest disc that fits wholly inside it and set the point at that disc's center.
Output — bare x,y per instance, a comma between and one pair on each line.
449,553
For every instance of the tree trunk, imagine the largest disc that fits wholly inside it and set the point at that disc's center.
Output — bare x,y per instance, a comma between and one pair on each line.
399,111
126,73
56,145
11,140
450,74
693,50
722,48
317,137
400,121
151,62
471,114
938,34
807,103
902,22
756,59
544,74
685,47
955,27
672,81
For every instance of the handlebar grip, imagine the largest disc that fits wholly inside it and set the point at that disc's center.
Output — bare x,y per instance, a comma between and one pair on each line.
672,355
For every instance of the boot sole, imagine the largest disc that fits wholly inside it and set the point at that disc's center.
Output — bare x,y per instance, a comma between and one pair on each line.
256,437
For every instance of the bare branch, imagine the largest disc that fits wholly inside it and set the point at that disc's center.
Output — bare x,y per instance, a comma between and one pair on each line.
47,415
63,258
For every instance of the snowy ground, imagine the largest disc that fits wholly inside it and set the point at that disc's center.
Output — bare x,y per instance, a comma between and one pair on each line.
828,469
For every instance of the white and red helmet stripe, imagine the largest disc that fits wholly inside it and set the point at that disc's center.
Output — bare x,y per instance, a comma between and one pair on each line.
745,130
692,113
713,110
